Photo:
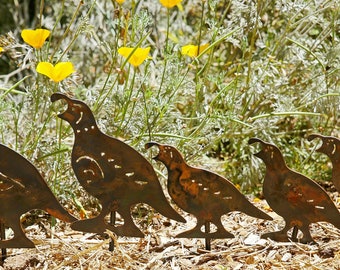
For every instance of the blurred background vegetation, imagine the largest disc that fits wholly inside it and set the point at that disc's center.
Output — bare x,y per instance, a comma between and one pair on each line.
272,71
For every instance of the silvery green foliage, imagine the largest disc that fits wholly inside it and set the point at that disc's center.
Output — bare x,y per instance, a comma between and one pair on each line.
276,76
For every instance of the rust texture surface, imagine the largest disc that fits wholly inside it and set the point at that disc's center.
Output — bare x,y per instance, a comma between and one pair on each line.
112,171
202,193
22,189
295,197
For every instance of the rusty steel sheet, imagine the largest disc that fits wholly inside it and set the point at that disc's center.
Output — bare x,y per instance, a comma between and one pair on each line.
202,193
298,199
22,189
331,147
112,171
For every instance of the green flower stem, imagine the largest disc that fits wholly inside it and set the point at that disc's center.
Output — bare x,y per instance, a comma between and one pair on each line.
54,27
169,98
318,98
102,96
78,31
128,100
67,31
141,90
12,89
201,27
41,10
197,81
165,53
266,115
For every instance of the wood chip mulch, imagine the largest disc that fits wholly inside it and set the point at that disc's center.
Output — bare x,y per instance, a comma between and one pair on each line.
63,248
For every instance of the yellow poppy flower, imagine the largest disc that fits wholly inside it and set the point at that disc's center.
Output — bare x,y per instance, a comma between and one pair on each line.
138,56
56,73
170,3
35,38
192,50
1,49
120,1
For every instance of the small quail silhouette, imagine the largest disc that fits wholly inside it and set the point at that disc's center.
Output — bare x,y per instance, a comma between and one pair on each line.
22,188
112,171
202,193
298,199
331,147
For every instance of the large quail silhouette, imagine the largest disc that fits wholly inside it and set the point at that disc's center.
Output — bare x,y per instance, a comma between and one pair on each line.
22,188
112,171
202,193
331,147
298,199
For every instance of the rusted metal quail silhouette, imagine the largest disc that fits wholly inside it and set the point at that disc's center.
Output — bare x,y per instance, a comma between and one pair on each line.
331,147
202,193
22,188
112,171
298,199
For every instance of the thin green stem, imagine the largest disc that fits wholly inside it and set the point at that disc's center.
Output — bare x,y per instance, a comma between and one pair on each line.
165,54
309,51
317,99
167,30
266,115
76,34
41,10
252,46
67,31
61,13
198,86
102,97
12,89
201,27
128,100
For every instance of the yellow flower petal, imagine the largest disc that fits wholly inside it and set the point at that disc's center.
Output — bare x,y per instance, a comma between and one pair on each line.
35,38
120,1
1,49
45,68
192,50
203,47
62,70
138,56
56,73
170,3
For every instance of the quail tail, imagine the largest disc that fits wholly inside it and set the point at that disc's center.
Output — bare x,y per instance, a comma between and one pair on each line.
336,221
253,211
54,208
337,224
166,210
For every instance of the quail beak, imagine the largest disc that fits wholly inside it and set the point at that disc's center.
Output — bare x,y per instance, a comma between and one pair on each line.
151,144
255,140
313,136
59,96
